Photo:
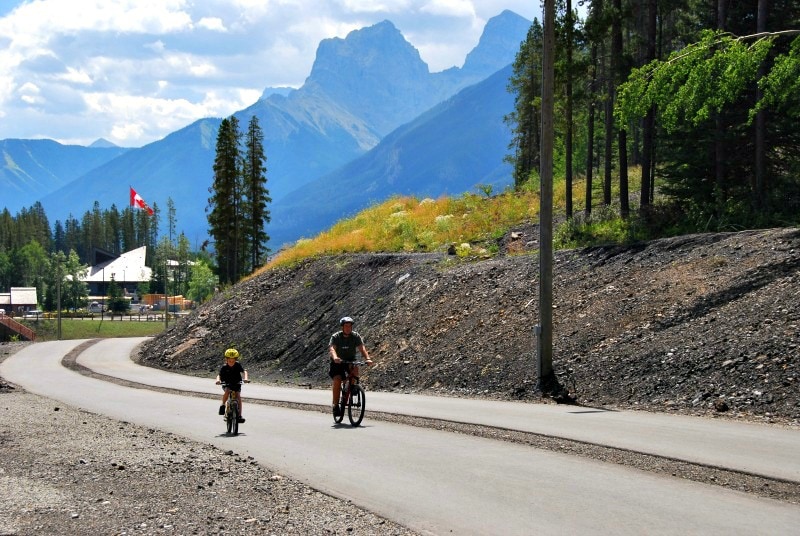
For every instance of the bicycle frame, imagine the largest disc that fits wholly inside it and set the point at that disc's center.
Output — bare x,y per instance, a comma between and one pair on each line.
233,409
351,384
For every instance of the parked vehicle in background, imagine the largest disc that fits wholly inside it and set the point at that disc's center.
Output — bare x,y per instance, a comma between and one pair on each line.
33,314
96,307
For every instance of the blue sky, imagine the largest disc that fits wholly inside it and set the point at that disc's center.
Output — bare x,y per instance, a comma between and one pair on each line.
132,71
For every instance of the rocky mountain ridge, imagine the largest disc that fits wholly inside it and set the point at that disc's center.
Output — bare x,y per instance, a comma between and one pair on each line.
360,89
704,324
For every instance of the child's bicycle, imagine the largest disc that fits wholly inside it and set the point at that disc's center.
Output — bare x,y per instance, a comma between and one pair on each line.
351,398
232,411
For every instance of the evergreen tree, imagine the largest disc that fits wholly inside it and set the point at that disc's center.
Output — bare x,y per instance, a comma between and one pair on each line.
117,303
225,203
255,184
525,120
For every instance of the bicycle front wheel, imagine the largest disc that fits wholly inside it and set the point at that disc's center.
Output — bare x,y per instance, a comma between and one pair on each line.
232,419
339,416
356,407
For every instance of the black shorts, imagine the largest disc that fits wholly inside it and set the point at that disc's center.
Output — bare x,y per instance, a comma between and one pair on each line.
338,369
236,386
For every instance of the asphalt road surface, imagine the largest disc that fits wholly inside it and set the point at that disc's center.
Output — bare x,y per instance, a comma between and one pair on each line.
444,483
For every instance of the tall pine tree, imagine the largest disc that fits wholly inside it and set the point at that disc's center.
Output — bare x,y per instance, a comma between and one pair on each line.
255,184
525,120
224,205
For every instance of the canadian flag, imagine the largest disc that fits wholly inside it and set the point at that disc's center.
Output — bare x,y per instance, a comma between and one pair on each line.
137,201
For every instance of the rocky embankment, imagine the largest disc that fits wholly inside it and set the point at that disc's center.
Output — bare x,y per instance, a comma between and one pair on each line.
705,324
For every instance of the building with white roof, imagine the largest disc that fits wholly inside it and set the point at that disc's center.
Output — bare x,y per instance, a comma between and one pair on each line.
128,270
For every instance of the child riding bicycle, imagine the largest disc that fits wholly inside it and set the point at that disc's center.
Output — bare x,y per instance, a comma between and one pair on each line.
230,377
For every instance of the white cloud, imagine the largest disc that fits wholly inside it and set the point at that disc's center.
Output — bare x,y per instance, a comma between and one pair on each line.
212,23
75,76
133,71
457,8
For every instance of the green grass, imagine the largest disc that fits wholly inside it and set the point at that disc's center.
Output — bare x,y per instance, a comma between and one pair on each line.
47,330
409,224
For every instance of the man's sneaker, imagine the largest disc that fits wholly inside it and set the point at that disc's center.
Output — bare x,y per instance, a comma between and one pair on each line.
222,410
240,419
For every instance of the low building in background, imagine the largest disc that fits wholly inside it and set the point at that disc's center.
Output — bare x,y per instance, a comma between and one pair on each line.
18,301
128,270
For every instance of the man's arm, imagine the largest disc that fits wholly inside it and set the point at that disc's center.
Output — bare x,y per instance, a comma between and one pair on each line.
363,350
333,354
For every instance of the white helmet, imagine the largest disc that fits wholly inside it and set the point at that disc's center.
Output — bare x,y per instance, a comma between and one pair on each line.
346,320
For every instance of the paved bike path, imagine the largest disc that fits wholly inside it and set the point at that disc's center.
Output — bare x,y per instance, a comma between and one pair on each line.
434,482
759,449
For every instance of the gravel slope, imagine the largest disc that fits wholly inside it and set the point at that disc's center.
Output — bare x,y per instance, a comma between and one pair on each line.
706,324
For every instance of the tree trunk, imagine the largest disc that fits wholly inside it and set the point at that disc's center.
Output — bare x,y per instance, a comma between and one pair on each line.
568,140
590,135
617,75
719,145
609,134
649,120
761,120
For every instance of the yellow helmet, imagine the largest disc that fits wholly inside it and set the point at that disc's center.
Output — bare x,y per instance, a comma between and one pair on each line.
232,353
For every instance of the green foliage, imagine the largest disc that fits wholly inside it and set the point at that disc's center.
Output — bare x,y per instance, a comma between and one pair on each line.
782,83
603,227
486,189
117,304
695,82
525,119
202,283
225,203
257,216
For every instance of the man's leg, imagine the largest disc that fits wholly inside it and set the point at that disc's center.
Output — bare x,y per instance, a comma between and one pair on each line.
337,389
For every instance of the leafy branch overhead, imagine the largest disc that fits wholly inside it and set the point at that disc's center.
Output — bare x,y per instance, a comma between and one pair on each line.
705,77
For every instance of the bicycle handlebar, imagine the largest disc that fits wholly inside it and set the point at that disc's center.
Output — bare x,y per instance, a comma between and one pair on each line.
224,384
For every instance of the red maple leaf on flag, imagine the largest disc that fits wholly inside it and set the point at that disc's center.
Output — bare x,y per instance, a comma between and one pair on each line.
137,201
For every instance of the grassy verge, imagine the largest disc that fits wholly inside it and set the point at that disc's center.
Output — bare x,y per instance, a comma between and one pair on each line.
47,330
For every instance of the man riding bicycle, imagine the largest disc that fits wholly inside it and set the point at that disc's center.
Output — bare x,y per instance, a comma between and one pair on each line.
343,346
230,376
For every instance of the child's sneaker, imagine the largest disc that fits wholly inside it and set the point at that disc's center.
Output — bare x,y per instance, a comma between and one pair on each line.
222,410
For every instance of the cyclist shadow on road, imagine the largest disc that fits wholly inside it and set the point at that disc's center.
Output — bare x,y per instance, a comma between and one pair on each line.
344,426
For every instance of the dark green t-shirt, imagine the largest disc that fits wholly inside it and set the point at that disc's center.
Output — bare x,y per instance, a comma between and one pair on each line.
346,346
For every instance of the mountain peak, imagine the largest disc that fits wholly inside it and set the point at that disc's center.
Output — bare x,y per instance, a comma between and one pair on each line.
379,45
498,45
102,143
374,73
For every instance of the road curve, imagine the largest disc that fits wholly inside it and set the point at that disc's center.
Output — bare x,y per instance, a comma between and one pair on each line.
434,482
770,451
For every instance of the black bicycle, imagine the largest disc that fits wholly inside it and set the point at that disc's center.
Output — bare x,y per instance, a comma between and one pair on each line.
232,411
351,398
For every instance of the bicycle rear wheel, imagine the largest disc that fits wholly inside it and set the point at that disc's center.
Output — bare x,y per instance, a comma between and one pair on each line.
356,407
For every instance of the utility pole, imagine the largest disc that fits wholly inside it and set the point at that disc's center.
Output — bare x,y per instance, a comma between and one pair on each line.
547,381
